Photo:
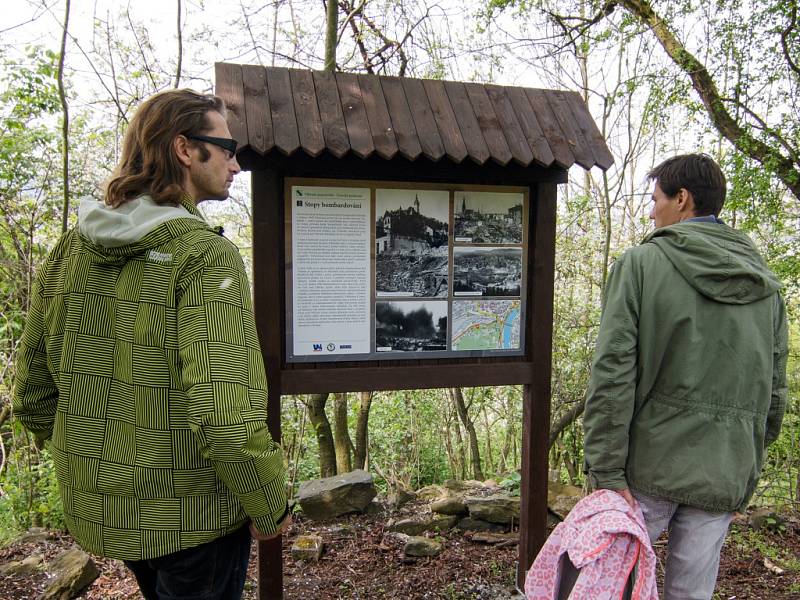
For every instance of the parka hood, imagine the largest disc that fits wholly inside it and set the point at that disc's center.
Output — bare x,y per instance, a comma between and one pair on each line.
716,260
115,234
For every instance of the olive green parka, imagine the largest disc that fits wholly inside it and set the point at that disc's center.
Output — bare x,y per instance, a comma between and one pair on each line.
688,382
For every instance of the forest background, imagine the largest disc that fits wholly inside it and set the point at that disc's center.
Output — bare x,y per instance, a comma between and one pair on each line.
660,77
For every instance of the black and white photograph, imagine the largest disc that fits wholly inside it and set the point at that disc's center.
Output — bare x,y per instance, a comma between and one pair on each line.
487,218
411,243
486,271
411,326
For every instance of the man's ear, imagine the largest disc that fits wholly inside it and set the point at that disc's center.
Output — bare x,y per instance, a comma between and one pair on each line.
182,150
685,201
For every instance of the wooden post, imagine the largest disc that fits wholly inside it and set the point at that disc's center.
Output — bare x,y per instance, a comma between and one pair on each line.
536,395
267,189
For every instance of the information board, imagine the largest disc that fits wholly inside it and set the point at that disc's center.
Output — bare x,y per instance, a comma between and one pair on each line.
382,270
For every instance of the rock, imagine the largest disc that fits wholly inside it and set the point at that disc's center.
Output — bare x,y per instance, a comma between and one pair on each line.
333,496
497,508
420,524
374,508
27,566
308,547
431,492
454,505
34,535
421,546
487,537
766,518
555,490
470,524
562,505
74,571
399,496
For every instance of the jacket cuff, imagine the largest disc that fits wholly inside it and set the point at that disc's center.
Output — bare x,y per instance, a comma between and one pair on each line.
269,524
608,480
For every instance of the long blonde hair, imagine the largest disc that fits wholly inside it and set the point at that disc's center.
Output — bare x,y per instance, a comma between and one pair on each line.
148,164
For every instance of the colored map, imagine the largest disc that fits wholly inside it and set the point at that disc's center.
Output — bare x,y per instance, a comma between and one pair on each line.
486,324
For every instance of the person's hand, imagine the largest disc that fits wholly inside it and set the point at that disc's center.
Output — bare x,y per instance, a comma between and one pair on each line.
262,537
626,493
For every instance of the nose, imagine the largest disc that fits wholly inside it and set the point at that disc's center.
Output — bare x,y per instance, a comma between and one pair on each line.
233,166
653,213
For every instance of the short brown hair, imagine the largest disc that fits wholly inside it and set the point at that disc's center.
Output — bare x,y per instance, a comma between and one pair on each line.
148,164
697,173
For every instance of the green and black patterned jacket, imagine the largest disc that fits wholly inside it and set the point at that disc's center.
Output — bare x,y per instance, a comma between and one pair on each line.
140,360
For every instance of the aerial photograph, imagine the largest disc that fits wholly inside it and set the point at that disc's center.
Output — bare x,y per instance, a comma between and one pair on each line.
487,271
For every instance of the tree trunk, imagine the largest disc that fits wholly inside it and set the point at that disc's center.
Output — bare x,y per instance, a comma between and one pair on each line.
331,33
65,119
341,436
322,428
362,431
475,455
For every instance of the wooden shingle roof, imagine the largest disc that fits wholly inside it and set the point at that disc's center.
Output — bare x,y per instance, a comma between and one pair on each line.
290,110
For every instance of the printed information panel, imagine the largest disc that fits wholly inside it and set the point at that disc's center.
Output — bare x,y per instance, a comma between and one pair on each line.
331,267
404,271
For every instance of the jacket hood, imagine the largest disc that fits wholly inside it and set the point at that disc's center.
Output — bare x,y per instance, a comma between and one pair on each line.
114,234
719,262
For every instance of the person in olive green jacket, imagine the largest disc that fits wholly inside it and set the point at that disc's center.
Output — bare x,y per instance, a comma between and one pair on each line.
688,382
141,363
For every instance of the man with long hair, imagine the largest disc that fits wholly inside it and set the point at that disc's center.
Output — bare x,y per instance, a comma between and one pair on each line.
140,362
688,383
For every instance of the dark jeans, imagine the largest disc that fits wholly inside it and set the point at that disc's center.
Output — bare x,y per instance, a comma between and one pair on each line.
213,571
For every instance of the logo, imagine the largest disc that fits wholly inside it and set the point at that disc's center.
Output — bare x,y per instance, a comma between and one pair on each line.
159,257
345,346
299,203
331,347
317,347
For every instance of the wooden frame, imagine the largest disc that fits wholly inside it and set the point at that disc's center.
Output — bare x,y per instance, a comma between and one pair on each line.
533,370
453,244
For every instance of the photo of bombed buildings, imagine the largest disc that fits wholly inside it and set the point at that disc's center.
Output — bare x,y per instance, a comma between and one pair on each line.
411,243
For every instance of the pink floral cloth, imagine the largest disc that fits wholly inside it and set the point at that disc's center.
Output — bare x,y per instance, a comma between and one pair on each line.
604,538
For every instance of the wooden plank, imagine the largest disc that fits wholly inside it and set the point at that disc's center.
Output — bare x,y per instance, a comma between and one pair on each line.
284,121
355,115
583,119
552,130
467,122
334,129
511,128
531,128
424,121
489,124
380,123
536,395
309,123
402,121
402,376
445,120
268,257
230,88
256,106
579,147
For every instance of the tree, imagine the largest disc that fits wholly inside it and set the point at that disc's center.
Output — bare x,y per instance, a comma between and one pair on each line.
457,397
315,405
341,435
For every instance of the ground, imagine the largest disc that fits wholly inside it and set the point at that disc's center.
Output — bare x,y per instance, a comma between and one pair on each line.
360,561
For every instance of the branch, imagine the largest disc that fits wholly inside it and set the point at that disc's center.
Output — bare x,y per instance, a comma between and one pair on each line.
785,41
704,85
180,49
564,421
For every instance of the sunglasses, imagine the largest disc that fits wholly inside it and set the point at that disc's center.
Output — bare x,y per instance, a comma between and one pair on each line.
224,143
